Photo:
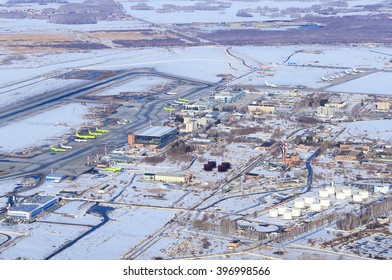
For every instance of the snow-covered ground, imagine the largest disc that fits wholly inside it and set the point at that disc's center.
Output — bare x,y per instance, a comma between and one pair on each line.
365,130
31,89
7,186
226,15
125,230
376,83
42,129
40,240
138,84
37,25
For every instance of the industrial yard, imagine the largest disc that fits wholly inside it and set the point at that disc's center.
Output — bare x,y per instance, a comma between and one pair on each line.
192,150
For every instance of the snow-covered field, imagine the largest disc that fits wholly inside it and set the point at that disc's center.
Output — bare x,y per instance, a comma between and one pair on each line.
41,239
7,186
41,129
125,230
138,84
365,130
226,15
19,92
376,83
202,63
37,25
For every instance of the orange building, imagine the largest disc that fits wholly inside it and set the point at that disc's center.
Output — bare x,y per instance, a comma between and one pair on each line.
291,159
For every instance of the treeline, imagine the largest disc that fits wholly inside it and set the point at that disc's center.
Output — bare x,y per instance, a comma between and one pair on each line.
367,214
159,42
73,18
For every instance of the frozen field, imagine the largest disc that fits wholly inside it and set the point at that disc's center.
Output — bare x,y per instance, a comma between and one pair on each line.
125,230
31,89
377,83
37,25
225,15
138,84
367,130
41,239
202,63
288,76
41,129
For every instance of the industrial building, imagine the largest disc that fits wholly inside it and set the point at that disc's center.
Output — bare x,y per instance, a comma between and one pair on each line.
57,178
383,106
167,177
152,137
261,109
32,207
349,155
228,97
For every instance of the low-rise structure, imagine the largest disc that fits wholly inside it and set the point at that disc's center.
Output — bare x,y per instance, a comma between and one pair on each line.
291,159
267,146
326,112
383,106
57,178
152,137
261,109
349,155
32,207
228,97
167,177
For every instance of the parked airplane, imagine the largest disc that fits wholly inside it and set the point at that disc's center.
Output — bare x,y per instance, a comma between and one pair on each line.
114,169
54,149
324,78
170,109
183,100
357,71
269,85
85,136
79,140
180,102
65,147
170,93
348,72
101,130
94,133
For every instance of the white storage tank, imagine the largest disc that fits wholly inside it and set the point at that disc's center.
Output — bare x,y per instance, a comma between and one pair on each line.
315,207
325,202
364,194
282,210
340,196
296,212
287,215
309,200
347,192
273,213
330,190
323,193
357,198
299,203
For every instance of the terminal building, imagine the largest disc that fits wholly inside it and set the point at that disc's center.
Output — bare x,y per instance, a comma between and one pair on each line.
32,207
154,137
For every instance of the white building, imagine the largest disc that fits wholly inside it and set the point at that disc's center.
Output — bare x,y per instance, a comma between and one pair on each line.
323,111
228,97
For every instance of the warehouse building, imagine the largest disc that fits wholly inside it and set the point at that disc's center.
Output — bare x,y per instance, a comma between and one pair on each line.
228,97
153,137
166,177
32,207
57,178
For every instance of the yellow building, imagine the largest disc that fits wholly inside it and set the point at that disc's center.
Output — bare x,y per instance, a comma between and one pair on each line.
261,109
